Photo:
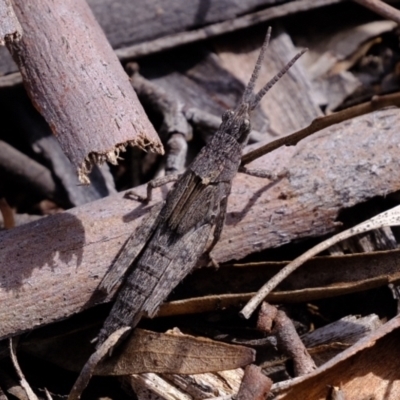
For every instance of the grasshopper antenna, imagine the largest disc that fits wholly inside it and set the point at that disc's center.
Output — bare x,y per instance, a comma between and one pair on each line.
248,92
268,86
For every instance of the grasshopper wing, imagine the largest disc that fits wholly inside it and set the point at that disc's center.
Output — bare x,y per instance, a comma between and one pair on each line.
131,249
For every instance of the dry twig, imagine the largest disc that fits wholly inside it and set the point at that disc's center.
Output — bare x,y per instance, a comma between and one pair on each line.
255,385
95,358
381,8
24,383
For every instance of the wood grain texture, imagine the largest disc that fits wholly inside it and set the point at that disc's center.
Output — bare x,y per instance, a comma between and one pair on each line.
77,83
227,25
49,269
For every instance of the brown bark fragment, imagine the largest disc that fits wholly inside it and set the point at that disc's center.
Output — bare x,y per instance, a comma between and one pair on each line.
290,343
255,385
266,317
75,80
230,25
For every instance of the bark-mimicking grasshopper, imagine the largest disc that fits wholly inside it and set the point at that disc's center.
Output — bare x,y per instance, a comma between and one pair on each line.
166,247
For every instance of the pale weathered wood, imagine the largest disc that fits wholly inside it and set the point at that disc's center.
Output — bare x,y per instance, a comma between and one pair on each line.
10,28
77,83
49,269
154,387
347,330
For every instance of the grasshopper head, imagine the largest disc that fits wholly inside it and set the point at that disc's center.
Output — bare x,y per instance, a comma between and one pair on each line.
237,122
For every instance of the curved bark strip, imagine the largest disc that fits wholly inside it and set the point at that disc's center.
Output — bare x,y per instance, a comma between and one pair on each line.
49,269
77,83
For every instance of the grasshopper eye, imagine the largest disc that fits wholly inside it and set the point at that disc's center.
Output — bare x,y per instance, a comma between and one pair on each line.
246,124
226,115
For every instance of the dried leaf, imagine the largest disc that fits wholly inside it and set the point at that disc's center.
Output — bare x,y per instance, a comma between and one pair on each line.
144,351
148,351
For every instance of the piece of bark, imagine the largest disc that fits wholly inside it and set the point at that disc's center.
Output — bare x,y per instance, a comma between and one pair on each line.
68,254
326,342
175,129
152,387
203,386
33,131
328,49
289,343
347,330
18,169
266,317
7,214
255,385
75,80
174,40
331,56
368,369
10,28
337,88
155,387
101,181
126,23
200,80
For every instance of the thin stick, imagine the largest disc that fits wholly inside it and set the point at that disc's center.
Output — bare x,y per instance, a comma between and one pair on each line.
388,218
91,364
381,8
376,103
23,382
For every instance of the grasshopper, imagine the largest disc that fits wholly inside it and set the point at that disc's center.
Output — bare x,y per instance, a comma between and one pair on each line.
167,246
